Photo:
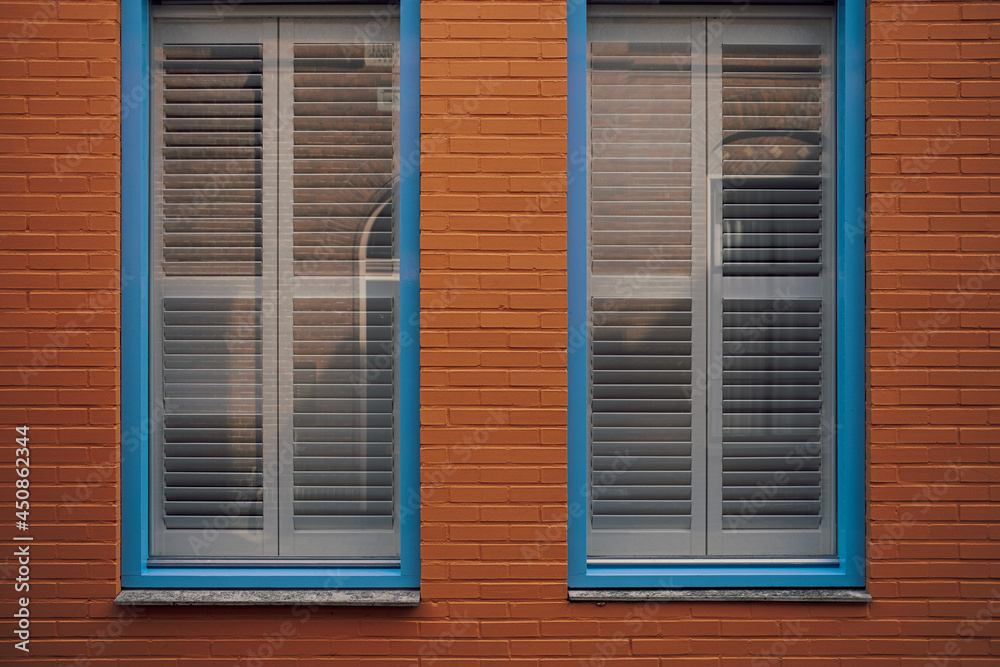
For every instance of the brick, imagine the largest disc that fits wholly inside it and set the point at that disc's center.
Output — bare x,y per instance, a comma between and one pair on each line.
975,12
964,31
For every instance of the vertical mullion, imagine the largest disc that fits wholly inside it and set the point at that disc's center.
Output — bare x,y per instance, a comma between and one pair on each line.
157,492
270,288
701,259
286,277
292,285
831,485
713,222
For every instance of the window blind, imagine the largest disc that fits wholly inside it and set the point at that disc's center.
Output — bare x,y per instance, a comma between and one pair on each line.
212,430
646,273
772,167
276,280
772,413
211,149
711,288
211,226
641,413
641,221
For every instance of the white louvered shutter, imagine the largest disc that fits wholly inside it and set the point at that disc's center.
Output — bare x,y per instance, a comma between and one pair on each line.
710,288
339,242
771,464
646,274
212,347
274,289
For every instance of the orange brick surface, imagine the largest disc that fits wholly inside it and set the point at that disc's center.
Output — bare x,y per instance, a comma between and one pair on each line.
493,380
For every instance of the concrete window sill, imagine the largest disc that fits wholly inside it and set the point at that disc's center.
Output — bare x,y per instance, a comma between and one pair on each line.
721,595
287,597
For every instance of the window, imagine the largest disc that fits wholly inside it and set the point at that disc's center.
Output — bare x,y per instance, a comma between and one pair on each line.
714,435
275,350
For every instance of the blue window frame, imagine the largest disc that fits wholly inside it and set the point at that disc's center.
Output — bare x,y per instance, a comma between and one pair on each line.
844,564
140,569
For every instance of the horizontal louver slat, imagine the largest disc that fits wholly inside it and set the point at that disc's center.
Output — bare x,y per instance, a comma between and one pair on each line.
640,127
772,413
772,129
344,100
212,400
343,413
212,120
641,413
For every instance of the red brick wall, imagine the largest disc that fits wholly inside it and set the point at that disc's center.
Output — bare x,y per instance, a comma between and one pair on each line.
59,327
494,320
493,380
934,257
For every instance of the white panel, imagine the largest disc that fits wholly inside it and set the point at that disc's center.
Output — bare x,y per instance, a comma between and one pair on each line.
211,382
276,279
339,262
771,465
646,281
711,213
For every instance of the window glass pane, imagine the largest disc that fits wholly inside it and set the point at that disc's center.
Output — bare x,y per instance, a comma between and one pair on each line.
711,283
646,284
275,288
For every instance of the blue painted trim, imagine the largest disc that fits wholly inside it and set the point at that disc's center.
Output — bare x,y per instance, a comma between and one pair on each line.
268,578
851,378
135,337
721,576
409,290
135,282
576,240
